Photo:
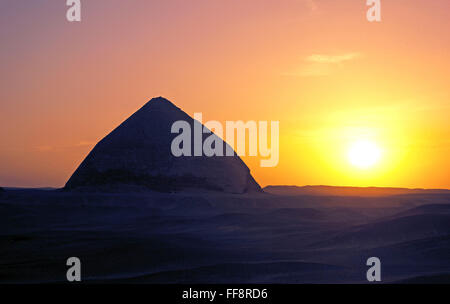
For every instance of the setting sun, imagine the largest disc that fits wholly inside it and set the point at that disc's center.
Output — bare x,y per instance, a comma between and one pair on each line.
364,154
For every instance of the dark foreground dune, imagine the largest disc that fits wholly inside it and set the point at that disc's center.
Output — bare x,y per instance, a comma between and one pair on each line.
207,237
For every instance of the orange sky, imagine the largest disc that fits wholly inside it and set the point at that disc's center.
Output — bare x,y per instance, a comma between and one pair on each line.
318,66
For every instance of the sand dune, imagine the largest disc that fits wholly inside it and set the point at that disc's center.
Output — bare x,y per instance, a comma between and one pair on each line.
210,237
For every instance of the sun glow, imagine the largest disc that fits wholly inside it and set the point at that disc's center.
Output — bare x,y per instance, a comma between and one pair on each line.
364,154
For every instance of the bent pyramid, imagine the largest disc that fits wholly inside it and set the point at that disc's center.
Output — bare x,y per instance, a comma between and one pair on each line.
138,153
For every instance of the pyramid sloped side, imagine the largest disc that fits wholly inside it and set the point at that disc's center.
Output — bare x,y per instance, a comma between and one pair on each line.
138,152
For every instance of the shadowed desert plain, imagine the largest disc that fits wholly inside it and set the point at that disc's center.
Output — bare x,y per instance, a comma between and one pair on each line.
210,237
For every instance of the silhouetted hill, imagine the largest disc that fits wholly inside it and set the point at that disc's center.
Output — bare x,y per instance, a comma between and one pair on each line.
347,191
392,231
425,209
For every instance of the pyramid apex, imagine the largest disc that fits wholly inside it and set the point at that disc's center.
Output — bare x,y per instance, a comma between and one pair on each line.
159,99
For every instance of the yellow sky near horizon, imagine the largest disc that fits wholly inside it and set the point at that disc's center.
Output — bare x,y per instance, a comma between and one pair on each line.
318,67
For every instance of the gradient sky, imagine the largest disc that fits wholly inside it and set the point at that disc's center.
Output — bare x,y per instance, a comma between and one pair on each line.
318,66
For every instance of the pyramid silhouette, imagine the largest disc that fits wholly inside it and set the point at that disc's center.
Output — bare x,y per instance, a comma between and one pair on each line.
138,153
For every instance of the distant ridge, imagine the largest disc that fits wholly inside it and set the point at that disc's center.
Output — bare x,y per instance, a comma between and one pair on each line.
138,154
346,191
31,188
